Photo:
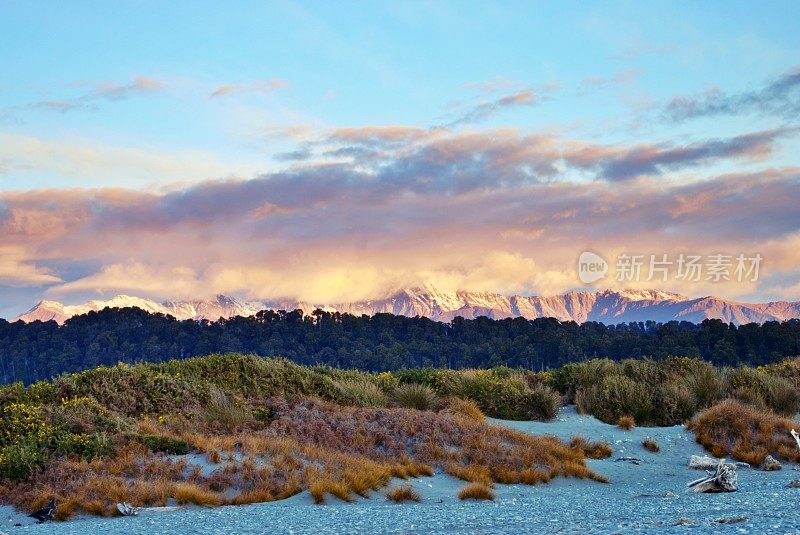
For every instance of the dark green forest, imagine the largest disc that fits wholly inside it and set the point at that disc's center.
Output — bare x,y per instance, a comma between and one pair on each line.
40,350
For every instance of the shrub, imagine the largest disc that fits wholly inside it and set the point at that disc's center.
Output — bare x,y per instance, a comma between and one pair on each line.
704,382
162,444
541,403
626,422
651,445
761,389
223,413
501,393
18,460
415,396
746,433
673,403
363,393
475,491
614,397
403,493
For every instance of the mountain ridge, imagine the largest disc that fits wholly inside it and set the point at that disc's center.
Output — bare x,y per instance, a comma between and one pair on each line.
605,306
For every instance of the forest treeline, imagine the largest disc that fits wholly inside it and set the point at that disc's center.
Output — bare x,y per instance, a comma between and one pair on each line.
39,350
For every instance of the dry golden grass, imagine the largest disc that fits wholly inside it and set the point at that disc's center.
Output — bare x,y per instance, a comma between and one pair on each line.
322,487
744,432
403,493
464,407
626,422
327,449
190,493
472,473
65,509
592,450
253,496
651,445
476,491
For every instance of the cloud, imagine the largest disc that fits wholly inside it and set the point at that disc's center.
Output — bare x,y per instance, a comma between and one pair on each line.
369,210
90,162
492,86
624,163
18,270
101,91
490,108
326,236
257,86
780,97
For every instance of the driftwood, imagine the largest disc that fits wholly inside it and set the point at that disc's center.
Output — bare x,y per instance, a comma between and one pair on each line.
127,509
632,460
724,479
704,462
796,438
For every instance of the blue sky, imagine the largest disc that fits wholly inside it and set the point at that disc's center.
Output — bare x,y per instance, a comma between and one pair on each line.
159,98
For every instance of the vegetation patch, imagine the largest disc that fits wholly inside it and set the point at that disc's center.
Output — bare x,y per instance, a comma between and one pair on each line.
651,445
745,433
268,428
476,491
403,493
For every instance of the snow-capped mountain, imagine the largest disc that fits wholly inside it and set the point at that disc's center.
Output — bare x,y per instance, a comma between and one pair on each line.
607,306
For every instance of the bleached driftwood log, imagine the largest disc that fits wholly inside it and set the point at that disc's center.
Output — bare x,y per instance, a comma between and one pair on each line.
704,462
796,438
127,509
724,479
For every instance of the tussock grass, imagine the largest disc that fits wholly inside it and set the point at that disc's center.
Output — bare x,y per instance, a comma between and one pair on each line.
415,396
592,450
476,491
464,407
626,422
651,445
338,489
745,433
403,493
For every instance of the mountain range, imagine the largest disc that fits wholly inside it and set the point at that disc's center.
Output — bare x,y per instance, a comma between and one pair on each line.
608,306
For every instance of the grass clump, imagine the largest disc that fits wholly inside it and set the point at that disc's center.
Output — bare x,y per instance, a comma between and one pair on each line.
415,396
403,493
464,407
363,393
592,450
651,445
745,433
626,422
476,491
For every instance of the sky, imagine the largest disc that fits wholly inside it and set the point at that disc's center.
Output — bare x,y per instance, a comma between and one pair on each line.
339,151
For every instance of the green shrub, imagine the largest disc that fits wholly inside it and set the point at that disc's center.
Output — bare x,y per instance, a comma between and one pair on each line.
86,446
540,403
18,460
157,443
673,403
617,396
764,390
704,382
362,393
